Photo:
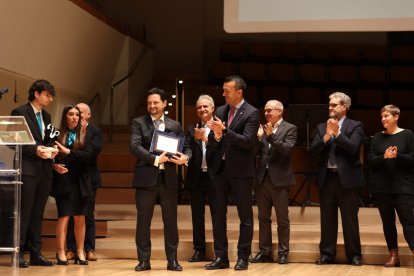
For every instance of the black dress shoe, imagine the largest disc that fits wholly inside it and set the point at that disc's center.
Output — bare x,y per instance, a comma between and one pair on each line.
174,266
241,264
218,263
261,258
283,259
22,262
143,265
324,260
40,260
355,260
198,257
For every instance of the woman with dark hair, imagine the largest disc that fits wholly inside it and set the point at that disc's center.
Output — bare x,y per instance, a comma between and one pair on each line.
392,185
71,184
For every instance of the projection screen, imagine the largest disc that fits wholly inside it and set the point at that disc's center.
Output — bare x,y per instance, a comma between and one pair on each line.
261,16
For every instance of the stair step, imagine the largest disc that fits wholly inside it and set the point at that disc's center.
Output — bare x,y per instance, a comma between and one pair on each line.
117,179
49,228
116,162
115,196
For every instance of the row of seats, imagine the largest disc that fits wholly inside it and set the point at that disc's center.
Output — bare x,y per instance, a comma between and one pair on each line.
258,51
396,76
371,99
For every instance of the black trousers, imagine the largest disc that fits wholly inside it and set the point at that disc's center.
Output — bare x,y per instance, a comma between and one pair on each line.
333,195
35,192
198,197
6,214
145,200
388,205
240,189
90,228
269,196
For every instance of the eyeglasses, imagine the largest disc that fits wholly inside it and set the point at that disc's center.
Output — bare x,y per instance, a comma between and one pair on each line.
270,110
333,105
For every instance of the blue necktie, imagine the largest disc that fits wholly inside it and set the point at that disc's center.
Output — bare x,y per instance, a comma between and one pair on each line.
39,122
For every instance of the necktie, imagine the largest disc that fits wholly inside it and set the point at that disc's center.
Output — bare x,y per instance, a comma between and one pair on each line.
39,122
331,160
157,124
231,115
71,137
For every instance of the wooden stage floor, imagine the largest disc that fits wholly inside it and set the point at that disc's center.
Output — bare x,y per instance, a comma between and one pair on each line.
118,267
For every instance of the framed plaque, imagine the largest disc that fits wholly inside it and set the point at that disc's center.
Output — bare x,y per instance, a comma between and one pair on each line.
169,142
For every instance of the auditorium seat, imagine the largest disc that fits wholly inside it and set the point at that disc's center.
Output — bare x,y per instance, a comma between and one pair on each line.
406,119
402,75
313,73
289,52
374,55
370,118
252,95
221,70
233,51
307,95
372,98
317,53
253,72
346,53
402,54
343,74
280,93
373,74
282,72
261,52
403,98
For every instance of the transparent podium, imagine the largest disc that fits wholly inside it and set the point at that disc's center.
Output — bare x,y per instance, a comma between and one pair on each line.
14,133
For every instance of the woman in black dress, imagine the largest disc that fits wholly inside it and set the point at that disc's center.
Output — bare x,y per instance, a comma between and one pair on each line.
71,185
392,185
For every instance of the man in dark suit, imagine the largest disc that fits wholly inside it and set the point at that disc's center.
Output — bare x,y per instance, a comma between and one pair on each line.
273,180
231,163
36,171
198,179
155,176
338,142
95,135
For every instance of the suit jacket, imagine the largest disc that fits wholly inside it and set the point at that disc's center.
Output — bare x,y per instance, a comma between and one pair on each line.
31,163
279,157
146,174
94,134
194,165
347,146
237,143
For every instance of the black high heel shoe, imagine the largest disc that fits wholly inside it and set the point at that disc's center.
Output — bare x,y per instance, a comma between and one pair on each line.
60,262
81,262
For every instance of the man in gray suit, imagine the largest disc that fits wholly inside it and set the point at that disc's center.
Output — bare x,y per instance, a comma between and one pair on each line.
274,177
155,177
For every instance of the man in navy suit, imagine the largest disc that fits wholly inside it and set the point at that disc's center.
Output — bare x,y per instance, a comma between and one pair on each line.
155,176
338,143
36,171
231,162
94,134
198,178
274,178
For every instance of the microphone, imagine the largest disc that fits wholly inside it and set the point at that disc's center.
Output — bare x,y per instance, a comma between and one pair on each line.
3,90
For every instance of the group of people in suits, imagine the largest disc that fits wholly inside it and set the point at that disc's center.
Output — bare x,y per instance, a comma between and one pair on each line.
229,153
62,163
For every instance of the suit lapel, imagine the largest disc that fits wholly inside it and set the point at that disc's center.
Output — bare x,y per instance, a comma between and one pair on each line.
238,115
32,116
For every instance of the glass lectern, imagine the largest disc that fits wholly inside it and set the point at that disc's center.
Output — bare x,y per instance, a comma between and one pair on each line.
14,133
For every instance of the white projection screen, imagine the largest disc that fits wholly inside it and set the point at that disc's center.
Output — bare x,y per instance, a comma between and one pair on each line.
262,16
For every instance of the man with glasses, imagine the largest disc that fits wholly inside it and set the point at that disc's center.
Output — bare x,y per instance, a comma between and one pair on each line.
274,176
338,142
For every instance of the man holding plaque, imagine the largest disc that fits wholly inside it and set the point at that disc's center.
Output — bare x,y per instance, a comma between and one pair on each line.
231,160
36,170
156,177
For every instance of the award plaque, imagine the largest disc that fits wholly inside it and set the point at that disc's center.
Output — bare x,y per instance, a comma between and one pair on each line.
169,142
